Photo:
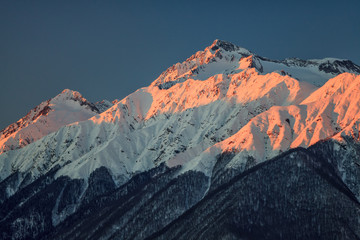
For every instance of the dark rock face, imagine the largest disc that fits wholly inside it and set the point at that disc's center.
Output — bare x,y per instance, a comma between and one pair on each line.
337,66
297,195
332,66
227,46
88,105
103,105
167,85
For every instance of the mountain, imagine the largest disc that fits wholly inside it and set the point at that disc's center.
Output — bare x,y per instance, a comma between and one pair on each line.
216,132
225,57
329,112
67,107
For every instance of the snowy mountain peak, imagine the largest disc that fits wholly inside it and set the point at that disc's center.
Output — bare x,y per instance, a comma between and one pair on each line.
70,94
228,47
65,108
225,58
216,115
217,58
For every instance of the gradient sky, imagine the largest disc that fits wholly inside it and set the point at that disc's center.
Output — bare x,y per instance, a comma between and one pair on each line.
108,49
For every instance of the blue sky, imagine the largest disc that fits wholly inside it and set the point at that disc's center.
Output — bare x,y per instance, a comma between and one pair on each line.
108,49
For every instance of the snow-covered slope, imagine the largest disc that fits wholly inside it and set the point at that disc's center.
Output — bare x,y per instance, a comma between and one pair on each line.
224,57
200,123
155,125
67,107
332,111
193,109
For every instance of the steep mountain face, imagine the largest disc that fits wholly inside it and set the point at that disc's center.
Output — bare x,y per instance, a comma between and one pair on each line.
104,105
67,107
203,135
223,57
332,111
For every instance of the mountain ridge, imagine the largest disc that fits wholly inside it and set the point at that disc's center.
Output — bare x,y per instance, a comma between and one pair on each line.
202,122
145,105
221,51
65,108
